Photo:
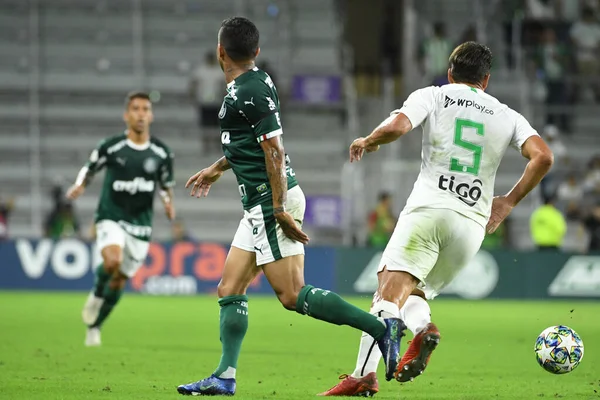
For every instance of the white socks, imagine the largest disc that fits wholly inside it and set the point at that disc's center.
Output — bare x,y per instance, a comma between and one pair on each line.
415,313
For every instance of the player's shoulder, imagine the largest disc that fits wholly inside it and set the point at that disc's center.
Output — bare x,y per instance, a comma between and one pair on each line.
254,81
111,141
159,147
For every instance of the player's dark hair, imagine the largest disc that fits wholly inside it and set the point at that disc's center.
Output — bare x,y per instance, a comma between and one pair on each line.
470,62
136,95
239,37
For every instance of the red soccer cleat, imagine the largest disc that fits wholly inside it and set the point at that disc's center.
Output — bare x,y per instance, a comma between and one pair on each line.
417,356
366,386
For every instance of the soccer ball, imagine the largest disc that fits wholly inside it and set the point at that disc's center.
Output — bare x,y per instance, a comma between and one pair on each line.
559,349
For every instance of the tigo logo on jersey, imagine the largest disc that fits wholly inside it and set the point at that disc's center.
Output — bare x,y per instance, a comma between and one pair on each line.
468,194
134,186
467,103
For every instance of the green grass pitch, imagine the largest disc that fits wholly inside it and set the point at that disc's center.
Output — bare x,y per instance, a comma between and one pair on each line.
152,344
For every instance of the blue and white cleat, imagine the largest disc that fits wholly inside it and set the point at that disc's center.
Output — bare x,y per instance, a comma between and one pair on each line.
211,386
389,345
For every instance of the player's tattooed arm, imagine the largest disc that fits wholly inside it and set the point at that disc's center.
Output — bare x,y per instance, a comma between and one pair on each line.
221,164
275,163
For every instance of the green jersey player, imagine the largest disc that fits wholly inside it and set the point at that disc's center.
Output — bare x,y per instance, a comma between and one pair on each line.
269,237
136,165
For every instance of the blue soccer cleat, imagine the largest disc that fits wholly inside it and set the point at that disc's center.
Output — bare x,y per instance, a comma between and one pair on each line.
211,386
389,345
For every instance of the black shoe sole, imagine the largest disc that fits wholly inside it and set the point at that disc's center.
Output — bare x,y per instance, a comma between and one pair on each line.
416,367
186,393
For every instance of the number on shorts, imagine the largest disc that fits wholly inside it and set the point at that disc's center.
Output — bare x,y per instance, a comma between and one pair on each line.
455,164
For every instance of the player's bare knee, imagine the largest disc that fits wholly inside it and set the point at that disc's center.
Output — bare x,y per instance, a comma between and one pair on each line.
118,281
112,263
288,300
226,289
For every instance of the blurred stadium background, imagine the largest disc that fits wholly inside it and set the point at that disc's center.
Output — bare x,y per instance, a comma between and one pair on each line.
340,67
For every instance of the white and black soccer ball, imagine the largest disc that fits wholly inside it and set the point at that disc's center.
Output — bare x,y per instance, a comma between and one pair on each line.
559,349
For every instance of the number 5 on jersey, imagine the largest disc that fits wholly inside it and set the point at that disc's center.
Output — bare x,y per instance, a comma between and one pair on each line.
455,164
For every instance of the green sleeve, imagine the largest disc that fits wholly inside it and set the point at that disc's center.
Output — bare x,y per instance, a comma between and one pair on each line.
97,159
260,106
166,177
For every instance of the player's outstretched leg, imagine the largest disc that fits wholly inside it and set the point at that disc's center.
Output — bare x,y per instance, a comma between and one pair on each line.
239,271
329,306
108,286
233,326
286,277
94,301
417,315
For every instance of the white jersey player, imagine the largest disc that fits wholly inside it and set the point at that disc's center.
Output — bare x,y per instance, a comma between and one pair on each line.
465,135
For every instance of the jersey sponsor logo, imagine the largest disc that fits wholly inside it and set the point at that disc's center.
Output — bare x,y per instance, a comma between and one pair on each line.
467,193
449,102
134,186
251,102
150,165
580,276
223,110
466,104
121,161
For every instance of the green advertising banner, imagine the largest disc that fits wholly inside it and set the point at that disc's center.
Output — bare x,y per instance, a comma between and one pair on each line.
491,274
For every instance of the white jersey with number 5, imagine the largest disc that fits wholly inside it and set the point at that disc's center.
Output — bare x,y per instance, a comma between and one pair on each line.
465,135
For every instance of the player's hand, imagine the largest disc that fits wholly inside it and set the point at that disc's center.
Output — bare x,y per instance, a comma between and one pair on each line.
501,208
75,191
202,180
170,211
290,228
359,147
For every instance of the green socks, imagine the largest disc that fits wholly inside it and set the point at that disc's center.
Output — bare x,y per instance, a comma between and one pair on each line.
233,326
102,277
330,307
111,298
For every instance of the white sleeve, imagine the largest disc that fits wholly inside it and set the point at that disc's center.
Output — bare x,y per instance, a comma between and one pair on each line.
523,131
418,106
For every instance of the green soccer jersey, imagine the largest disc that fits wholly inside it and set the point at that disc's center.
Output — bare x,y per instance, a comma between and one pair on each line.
248,116
132,173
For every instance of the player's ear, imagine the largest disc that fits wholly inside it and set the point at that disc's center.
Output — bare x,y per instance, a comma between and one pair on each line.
257,52
220,52
486,80
450,79
125,116
151,116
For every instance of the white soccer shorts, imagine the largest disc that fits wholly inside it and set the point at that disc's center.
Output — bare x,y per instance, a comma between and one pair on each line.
433,245
259,232
134,250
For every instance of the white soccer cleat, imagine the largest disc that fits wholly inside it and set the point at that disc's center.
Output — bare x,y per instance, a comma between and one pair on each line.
91,309
93,337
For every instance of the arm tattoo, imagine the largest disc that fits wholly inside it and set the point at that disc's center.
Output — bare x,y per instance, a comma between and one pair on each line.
222,164
275,160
